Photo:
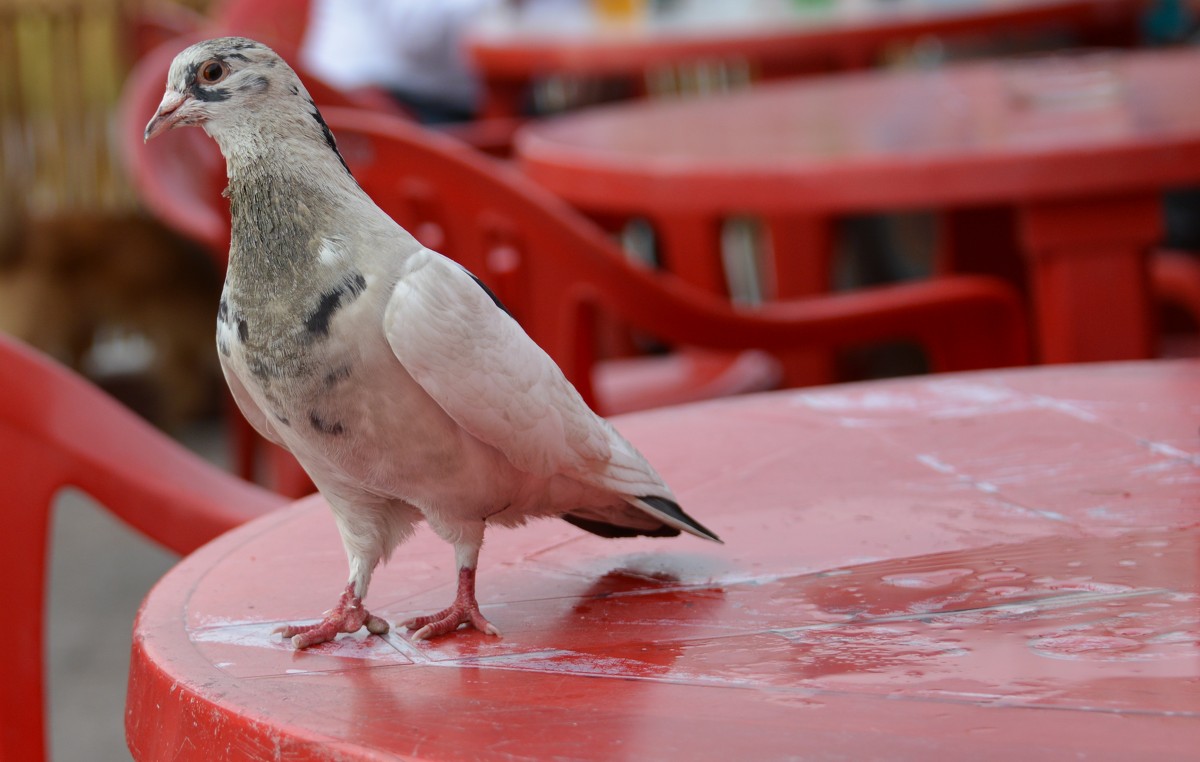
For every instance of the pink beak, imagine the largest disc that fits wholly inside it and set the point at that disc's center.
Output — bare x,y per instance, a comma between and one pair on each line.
167,116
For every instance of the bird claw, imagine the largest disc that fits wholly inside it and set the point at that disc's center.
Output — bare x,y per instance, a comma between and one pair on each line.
449,620
348,616
464,610
303,636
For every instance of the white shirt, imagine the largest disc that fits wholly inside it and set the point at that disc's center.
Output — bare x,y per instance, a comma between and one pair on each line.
413,46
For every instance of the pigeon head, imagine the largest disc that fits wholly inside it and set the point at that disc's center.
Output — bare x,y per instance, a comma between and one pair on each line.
212,80
242,93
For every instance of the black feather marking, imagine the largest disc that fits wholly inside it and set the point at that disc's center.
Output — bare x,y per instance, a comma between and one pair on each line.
331,301
256,85
489,292
243,329
238,56
356,283
223,311
672,509
210,94
604,529
259,369
336,376
281,418
190,77
325,427
329,139
318,322
223,347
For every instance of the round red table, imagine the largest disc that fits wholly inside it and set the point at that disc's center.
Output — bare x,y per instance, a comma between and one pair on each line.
511,48
1075,150
999,565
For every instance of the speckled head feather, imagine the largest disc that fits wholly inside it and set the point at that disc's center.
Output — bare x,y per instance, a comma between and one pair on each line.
244,95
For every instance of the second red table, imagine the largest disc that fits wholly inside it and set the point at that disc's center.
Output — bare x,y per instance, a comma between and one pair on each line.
1077,147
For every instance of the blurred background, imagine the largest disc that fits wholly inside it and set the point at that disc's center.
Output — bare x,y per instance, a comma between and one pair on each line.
98,274
75,251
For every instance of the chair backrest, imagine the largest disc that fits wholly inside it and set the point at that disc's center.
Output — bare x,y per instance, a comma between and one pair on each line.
556,271
281,24
58,430
148,25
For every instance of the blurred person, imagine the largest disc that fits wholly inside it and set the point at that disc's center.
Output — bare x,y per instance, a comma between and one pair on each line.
411,48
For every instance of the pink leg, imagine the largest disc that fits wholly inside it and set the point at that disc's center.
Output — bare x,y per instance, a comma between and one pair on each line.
347,616
464,610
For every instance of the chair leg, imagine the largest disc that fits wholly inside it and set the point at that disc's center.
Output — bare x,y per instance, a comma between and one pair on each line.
28,490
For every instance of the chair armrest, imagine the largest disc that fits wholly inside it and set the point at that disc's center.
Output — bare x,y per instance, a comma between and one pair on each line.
57,430
963,322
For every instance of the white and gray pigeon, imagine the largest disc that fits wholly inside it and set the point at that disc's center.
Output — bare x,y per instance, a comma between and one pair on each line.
389,371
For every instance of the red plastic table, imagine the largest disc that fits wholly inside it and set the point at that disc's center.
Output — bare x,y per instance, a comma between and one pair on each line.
1076,148
512,48
999,565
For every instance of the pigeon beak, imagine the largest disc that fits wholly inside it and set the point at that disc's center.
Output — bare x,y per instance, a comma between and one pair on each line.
168,115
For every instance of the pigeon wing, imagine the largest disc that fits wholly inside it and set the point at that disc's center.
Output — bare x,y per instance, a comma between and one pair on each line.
478,364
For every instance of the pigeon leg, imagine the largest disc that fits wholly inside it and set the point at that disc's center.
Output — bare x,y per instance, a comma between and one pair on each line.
347,616
464,610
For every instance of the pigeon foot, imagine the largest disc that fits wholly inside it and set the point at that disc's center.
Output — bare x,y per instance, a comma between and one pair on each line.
448,620
347,616
464,610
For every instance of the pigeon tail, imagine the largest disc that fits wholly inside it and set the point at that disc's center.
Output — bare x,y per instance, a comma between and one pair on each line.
669,512
610,530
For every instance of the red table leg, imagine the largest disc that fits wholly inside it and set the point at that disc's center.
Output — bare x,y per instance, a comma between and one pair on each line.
801,255
1089,277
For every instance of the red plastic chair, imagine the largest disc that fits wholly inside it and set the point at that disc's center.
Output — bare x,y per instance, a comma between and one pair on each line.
147,26
281,24
58,430
558,273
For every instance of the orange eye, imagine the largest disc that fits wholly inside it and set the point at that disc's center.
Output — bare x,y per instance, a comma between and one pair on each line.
211,72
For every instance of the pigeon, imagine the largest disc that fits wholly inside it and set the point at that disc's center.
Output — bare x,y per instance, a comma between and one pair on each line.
393,375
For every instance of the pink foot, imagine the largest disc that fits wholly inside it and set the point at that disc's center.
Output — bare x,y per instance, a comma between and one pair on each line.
464,610
347,616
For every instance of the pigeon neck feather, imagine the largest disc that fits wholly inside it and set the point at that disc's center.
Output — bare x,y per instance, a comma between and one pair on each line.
284,198
288,147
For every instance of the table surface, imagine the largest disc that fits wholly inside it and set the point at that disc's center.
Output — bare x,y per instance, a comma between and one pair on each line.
1038,128
512,43
999,565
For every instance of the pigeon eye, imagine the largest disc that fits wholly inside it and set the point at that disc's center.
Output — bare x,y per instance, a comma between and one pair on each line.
211,72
